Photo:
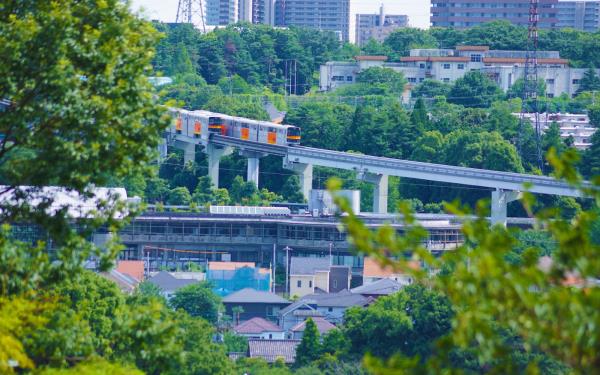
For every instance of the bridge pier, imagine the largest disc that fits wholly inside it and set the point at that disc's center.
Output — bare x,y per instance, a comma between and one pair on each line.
214,159
500,200
253,164
189,150
380,192
306,176
162,150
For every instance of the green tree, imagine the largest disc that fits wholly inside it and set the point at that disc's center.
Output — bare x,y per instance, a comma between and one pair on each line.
589,82
591,158
310,347
552,138
419,116
157,190
475,89
336,344
292,191
235,343
388,78
198,300
518,89
180,196
403,40
430,88
594,113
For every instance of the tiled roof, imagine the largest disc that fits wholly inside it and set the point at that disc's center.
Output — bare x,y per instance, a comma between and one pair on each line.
271,350
126,283
435,59
371,58
381,287
169,283
473,48
323,326
133,268
342,299
373,269
294,306
308,266
256,326
249,295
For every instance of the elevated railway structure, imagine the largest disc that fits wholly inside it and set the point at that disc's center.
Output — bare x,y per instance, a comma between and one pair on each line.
505,186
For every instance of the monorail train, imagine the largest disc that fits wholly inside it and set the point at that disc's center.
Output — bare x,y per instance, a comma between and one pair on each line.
202,124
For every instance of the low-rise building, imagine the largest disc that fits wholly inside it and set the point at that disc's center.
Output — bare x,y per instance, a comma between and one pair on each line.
448,65
379,288
168,284
378,26
575,126
272,350
258,328
374,272
317,275
323,326
229,277
254,304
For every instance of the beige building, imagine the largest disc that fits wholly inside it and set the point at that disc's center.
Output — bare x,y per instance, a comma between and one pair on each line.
308,275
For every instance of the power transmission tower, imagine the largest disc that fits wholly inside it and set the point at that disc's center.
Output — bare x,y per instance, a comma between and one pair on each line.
190,10
530,83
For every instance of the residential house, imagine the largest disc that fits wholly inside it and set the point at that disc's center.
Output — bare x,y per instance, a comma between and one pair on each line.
254,304
309,274
271,350
133,268
373,271
330,306
125,282
259,328
317,275
323,326
169,284
379,288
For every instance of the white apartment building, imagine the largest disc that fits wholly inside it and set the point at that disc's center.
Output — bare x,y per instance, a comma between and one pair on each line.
448,65
571,125
226,12
378,26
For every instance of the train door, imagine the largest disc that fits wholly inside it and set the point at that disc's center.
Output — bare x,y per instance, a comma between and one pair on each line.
245,131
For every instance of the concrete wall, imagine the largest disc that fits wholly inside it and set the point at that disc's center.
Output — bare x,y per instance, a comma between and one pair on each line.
322,280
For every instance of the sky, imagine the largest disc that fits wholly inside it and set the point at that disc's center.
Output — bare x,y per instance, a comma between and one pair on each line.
417,10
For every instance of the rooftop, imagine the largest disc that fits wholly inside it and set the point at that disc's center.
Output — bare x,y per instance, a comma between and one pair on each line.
256,326
249,295
308,266
381,287
323,326
374,269
371,58
345,298
168,283
271,350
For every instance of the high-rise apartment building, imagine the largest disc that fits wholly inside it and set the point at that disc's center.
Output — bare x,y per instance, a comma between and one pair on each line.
580,15
328,15
468,13
377,26
226,12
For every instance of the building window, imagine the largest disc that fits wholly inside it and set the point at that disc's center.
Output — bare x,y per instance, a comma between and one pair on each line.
461,66
475,57
412,79
270,336
299,284
349,78
550,95
446,80
446,66
334,284
310,283
330,309
422,66
575,81
550,81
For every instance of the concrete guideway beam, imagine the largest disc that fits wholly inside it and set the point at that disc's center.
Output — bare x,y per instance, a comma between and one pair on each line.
500,200
380,193
215,154
305,171
253,164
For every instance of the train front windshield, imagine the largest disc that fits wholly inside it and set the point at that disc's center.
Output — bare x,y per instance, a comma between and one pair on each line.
293,135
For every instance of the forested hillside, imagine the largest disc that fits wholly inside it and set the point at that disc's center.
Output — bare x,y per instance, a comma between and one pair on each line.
469,123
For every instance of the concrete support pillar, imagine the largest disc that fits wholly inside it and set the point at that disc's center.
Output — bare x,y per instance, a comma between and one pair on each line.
380,193
253,165
253,170
214,157
305,172
500,200
189,152
162,150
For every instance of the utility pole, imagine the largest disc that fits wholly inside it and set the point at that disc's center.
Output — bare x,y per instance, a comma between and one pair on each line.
274,262
287,269
331,253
